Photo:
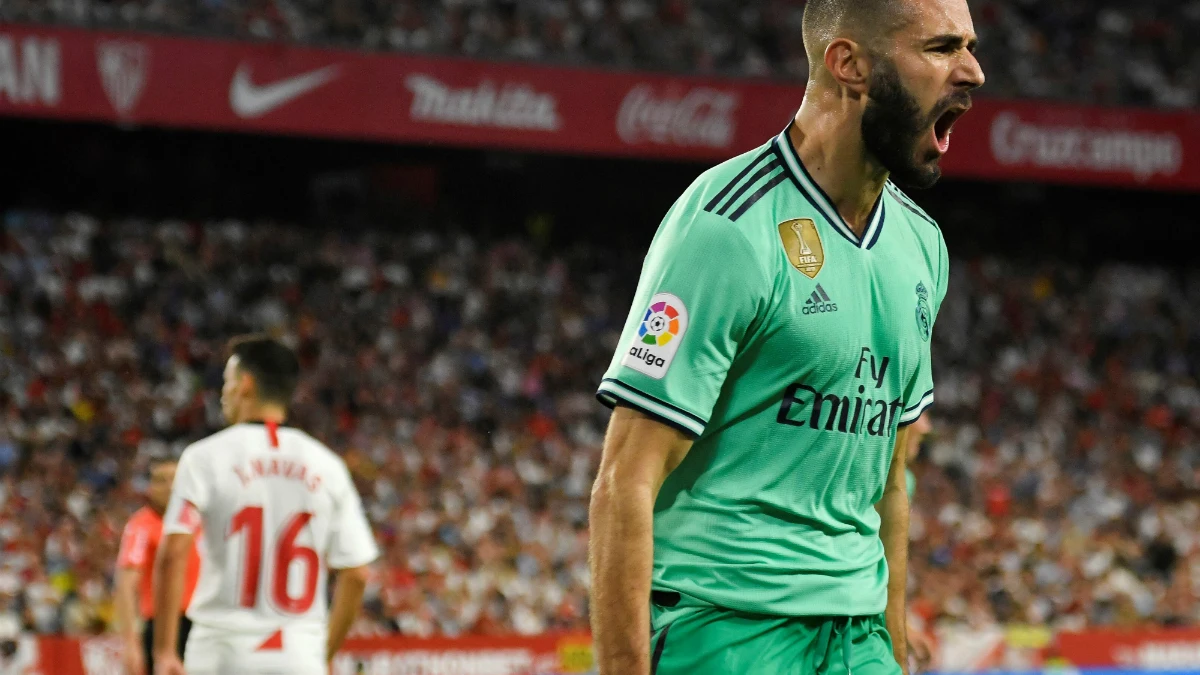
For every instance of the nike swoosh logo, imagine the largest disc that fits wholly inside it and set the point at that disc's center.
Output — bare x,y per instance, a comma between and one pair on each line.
252,100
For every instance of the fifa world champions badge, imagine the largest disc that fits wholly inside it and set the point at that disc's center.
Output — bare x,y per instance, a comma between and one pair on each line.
657,339
924,314
802,244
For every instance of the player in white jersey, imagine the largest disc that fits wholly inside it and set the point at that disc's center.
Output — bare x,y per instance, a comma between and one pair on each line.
275,511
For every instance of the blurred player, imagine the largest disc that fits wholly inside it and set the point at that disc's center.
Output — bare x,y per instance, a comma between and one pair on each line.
279,511
135,572
752,483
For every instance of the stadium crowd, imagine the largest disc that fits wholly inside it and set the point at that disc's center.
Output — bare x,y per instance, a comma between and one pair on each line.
457,376
1103,51
1061,484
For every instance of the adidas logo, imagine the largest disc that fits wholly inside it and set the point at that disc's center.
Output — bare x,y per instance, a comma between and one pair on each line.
819,302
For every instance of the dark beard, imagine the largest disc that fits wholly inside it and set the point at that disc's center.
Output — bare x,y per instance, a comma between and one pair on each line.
893,125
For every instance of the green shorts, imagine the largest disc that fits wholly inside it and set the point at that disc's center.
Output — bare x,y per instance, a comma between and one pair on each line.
694,638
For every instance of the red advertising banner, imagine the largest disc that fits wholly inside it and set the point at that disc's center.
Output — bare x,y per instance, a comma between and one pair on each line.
1177,649
1014,648
143,79
48,655
538,655
1016,140
1023,648
137,79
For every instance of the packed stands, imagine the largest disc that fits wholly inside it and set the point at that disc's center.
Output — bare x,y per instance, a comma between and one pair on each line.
1095,51
1061,486
456,373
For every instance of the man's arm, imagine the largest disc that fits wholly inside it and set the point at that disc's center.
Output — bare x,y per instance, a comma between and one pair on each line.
131,561
639,452
893,530
125,614
348,589
170,568
351,551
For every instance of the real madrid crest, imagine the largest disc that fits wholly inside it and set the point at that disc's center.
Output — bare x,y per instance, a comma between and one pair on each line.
924,315
803,247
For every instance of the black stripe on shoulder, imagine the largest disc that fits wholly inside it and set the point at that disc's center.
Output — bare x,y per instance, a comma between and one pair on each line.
758,175
910,205
919,401
762,191
737,179
698,419
613,402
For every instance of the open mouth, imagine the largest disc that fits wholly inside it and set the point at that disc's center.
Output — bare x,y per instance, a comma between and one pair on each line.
944,125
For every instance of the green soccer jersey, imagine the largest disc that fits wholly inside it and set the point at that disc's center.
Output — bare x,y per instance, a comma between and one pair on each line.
791,350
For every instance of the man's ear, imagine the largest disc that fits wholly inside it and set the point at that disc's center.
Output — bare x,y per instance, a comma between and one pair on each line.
246,384
849,64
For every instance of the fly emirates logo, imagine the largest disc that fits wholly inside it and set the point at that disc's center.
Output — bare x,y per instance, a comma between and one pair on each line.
263,467
867,410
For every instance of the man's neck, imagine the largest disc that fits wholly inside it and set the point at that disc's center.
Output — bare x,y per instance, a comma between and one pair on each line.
829,143
267,412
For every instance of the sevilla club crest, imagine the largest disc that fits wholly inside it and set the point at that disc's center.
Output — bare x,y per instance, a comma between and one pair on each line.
123,66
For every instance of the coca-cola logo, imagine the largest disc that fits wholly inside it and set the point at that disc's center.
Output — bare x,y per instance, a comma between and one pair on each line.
1143,154
700,116
509,106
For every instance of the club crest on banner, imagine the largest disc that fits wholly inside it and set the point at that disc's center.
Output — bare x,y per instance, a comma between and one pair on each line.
122,66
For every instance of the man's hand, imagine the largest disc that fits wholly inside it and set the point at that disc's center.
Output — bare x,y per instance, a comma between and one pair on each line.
132,659
168,663
920,653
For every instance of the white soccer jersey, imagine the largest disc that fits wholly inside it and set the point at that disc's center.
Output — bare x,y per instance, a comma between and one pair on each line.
278,510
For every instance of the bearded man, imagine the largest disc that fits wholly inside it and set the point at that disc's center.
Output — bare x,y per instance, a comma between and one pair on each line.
750,514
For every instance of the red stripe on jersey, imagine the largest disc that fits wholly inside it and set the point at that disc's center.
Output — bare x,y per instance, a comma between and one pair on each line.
273,643
272,432
189,517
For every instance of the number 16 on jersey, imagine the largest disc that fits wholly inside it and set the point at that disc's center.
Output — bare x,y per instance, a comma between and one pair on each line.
285,559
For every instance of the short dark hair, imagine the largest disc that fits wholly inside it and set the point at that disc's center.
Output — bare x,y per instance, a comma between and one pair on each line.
825,20
272,364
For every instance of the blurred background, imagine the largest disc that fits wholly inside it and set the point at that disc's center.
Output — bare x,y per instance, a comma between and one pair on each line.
443,206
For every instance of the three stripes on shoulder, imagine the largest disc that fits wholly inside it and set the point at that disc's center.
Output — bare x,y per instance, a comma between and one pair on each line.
733,195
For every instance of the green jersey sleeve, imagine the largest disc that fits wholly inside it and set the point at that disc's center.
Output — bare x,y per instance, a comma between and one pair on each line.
918,396
700,291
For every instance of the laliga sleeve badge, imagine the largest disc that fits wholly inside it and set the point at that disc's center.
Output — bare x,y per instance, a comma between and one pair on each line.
657,339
